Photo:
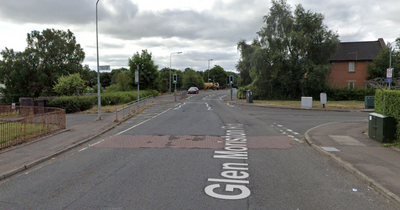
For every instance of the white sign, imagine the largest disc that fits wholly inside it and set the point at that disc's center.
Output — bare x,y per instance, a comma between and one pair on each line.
322,96
389,72
136,77
102,68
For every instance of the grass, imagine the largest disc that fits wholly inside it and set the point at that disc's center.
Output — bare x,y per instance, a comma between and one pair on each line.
317,104
13,131
104,109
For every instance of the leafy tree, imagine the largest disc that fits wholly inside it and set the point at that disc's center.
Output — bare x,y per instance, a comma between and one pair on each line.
55,53
147,68
217,74
290,57
381,63
19,75
105,79
191,78
114,74
124,81
163,80
70,85
48,56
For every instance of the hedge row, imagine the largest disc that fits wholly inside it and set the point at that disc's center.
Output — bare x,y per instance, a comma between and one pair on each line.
73,104
333,94
387,102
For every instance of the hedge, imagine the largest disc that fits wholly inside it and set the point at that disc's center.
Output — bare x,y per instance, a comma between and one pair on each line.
333,94
73,104
387,102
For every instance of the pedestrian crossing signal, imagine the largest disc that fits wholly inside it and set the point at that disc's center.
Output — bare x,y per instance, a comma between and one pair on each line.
175,78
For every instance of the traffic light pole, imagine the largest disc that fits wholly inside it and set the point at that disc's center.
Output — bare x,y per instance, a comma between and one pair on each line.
175,91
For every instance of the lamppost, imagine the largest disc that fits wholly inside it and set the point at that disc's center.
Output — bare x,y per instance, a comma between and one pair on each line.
170,60
209,69
98,71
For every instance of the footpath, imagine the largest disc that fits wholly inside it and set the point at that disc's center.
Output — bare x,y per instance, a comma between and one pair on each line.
343,142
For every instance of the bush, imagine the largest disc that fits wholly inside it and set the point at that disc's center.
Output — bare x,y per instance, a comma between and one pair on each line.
73,104
387,102
346,94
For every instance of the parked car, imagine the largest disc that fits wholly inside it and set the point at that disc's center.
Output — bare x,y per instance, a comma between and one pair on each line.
193,90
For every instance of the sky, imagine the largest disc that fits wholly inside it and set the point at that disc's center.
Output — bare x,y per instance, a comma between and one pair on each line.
200,29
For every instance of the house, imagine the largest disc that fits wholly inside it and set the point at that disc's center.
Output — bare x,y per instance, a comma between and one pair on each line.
349,63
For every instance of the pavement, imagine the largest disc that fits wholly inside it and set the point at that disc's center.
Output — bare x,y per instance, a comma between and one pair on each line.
346,143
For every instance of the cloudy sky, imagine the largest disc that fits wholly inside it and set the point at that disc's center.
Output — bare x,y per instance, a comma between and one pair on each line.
201,29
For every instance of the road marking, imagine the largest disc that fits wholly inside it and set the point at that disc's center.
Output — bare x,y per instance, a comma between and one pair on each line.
208,106
82,149
141,123
288,133
230,105
180,105
236,172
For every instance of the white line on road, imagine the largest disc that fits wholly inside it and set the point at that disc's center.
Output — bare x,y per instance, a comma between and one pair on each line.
141,123
82,149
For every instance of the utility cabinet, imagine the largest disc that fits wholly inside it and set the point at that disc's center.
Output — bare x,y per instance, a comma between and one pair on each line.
369,102
381,128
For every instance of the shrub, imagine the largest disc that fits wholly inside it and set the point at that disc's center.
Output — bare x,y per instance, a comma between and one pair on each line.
73,104
386,102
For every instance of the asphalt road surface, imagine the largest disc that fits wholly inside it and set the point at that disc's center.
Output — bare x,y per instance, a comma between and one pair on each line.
199,154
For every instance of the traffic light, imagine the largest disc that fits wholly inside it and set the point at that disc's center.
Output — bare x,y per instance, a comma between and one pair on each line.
231,79
175,78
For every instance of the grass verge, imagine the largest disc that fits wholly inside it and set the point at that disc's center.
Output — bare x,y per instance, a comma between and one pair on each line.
317,104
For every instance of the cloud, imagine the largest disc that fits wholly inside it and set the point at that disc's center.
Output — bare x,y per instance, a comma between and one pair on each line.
71,12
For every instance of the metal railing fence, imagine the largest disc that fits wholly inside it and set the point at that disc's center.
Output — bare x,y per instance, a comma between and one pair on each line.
125,110
19,124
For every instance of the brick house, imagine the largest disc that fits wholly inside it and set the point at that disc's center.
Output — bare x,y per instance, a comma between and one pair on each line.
349,63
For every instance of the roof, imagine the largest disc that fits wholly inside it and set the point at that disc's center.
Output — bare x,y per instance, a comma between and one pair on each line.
358,51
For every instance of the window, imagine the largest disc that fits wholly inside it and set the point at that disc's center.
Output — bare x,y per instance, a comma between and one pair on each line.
351,85
351,66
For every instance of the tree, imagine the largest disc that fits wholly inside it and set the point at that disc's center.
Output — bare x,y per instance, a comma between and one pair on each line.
48,56
70,85
217,74
381,63
55,53
147,68
290,57
191,78
19,75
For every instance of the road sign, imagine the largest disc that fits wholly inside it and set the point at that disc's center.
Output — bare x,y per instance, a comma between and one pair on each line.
102,68
136,77
388,80
389,72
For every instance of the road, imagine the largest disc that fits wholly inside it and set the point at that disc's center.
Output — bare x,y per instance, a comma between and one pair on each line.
199,154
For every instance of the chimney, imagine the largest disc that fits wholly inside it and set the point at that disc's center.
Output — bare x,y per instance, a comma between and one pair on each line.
382,43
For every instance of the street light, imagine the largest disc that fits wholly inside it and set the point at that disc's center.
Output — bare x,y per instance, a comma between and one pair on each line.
170,56
209,69
98,71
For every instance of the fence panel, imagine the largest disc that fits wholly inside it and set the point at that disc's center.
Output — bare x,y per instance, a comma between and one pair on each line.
19,124
125,110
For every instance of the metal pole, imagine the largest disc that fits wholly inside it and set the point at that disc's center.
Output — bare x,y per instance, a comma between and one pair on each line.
170,56
209,70
98,71
390,59
138,95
